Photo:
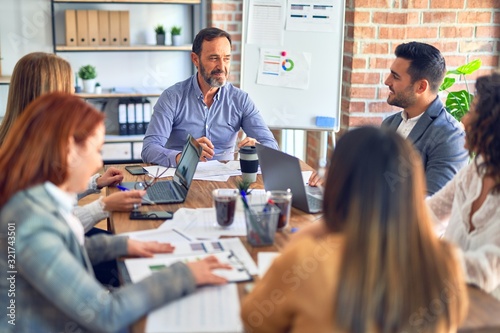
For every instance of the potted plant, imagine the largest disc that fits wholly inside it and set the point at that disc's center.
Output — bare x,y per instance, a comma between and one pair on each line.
244,186
458,102
175,31
98,88
160,34
88,74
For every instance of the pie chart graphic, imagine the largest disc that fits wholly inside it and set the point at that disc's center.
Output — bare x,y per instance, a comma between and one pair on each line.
287,65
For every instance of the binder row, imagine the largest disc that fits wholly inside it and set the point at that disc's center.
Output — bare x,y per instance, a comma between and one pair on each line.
97,27
134,115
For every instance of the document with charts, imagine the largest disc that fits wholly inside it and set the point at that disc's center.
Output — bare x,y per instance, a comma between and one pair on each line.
140,268
187,245
209,309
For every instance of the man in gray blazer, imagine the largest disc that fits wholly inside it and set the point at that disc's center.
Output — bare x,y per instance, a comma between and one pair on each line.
414,81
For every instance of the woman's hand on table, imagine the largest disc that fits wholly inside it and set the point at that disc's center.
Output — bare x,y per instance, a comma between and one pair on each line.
111,177
315,179
147,249
123,201
202,271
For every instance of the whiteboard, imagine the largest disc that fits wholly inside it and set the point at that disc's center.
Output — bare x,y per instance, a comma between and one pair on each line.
288,102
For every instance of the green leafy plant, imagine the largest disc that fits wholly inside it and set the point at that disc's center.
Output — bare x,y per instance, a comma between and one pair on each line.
244,185
87,72
159,29
97,84
175,30
458,102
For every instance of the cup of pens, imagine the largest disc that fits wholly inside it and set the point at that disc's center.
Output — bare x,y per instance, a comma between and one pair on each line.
261,221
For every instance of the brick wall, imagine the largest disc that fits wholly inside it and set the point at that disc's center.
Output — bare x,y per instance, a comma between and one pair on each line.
228,15
462,29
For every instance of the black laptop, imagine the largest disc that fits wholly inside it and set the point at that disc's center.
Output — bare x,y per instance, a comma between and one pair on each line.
281,172
175,190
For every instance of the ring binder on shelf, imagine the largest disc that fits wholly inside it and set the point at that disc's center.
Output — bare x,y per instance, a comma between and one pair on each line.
122,118
131,124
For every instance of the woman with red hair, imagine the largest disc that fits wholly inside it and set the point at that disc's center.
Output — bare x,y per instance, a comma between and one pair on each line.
47,157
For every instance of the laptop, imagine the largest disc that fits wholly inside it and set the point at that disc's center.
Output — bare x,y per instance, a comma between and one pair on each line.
175,190
281,172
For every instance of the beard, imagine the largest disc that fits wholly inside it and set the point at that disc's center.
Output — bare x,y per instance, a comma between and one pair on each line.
214,82
402,99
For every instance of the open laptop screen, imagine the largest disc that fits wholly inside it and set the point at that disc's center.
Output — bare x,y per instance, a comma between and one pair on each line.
189,161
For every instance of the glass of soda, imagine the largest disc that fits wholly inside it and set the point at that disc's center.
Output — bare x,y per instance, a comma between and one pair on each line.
283,200
225,205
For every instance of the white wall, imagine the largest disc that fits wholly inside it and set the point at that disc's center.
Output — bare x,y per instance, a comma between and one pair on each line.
25,26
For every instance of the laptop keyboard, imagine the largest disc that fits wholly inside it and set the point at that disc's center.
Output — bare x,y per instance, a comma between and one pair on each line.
314,198
315,204
161,191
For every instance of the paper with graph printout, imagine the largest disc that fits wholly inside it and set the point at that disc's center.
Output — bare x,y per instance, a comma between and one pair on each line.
187,245
140,268
208,309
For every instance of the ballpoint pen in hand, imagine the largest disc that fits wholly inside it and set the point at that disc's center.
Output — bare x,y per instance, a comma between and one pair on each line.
123,188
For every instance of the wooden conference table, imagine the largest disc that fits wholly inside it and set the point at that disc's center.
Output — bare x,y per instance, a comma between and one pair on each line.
484,310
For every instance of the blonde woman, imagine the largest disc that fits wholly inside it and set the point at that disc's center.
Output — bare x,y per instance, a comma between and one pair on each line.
374,264
39,73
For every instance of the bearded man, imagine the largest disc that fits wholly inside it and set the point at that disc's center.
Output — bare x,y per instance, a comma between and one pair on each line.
206,106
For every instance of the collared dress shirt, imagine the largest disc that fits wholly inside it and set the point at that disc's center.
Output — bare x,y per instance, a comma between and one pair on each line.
181,110
407,124
439,138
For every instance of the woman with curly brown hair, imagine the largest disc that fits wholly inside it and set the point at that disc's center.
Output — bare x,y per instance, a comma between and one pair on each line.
470,202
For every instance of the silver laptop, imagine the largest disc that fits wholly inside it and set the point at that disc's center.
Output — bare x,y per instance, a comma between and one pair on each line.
175,190
281,172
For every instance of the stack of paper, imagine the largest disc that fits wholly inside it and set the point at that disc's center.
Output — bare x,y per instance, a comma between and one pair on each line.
209,309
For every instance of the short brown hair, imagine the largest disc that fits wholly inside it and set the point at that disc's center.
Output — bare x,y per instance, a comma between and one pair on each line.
208,34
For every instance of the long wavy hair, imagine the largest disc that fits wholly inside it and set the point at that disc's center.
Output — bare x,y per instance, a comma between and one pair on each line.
36,148
34,74
393,265
483,133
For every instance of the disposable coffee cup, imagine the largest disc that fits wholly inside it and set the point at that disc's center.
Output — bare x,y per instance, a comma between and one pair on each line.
249,163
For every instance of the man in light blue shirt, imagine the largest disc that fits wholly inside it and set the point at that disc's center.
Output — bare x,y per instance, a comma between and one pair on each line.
205,106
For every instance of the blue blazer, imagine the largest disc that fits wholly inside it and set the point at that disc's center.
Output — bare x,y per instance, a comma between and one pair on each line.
440,140
53,287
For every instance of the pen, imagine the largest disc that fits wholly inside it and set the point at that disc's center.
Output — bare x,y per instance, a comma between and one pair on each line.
124,189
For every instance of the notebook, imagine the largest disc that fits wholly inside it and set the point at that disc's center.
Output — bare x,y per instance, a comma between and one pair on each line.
175,190
281,172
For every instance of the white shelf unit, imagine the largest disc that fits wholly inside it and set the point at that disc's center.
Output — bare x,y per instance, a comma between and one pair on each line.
142,64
